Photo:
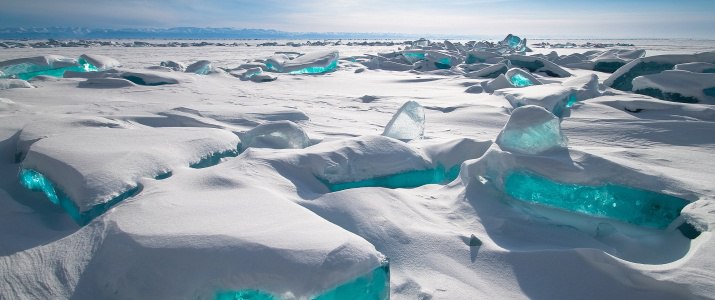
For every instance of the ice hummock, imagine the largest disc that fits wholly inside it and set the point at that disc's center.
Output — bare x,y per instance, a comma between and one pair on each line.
537,65
622,79
173,65
275,135
310,63
92,167
54,65
531,130
677,86
408,123
553,97
514,43
201,67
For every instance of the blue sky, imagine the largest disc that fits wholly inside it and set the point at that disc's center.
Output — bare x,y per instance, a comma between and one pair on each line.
533,18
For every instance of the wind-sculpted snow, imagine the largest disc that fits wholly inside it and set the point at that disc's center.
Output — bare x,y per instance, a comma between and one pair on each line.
531,130
408,123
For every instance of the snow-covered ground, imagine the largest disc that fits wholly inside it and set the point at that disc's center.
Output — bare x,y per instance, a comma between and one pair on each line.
153,199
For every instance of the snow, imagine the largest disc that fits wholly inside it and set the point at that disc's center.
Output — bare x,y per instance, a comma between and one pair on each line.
197,219
14,84
678,86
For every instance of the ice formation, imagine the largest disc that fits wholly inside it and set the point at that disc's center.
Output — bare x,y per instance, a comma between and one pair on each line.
531,130
254,74
553,97
677,86
100,62
97,166
105,83
622,79
537,65
50,65
498,83
585,87
514,43
696,67
276,135
310,63
489,72
173,65
408,179
635,206
519,78
408,123
201,67
149,78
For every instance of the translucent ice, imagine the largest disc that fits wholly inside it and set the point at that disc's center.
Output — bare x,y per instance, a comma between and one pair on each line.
520,78
635,206
408,123
174,65
409,179
214,158
413,56
51,65
372,286
276,135
514,43
531,130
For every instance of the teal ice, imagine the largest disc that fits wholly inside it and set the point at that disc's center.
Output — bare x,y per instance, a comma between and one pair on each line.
520,80
409,179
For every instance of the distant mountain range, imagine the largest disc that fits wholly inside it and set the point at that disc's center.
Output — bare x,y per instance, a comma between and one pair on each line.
188,33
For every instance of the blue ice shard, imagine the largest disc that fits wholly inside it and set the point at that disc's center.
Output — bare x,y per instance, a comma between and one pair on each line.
50,65
408,123
531,130
626,204
310,63
404,180
202,67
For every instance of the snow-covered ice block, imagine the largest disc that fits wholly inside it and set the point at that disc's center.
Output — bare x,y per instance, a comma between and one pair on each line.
100,62
14,84
520,78
201,67
94,166
586,87
696,67
611,60
501,82
173,65
255,74
412,56
408,123
310,63
531,130
553,97
50,65
622,79
514,43
677,86
537,64
232,235
275,135
489,72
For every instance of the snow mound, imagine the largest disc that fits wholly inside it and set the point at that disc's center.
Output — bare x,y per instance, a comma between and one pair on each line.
14,84
531,130
275,135
150,78
92,166
310,63
677,86
498,83
408,123
553,97
492,71
622,79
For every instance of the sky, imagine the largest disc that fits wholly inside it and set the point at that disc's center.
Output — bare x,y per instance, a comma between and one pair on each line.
532,18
